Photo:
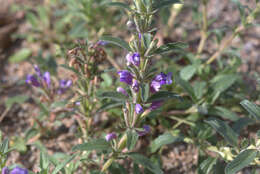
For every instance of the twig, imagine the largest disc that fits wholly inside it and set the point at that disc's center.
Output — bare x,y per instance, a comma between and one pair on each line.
229,40
113,62
204,30
4,113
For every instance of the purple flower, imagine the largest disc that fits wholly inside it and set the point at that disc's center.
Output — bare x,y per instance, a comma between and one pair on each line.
16,170
111,136
135,86
5,170
101,43
37,70
156,105
64,85
139,109
47,78
133,58
146,130
121,90
160,80
136,59
31,79
126,77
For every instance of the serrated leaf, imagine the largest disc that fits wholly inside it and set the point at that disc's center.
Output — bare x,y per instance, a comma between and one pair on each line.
162,96
223,129
132,138
98,144
187,72
252,108
145,162
113,95
163,3
176,46
117,41
241,161
164,139
224,113
20,55
119,4
63,164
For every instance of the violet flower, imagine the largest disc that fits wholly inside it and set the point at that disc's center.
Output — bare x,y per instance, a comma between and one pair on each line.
101,43
139,109
135,86
160,80
122,90
31,79
136,59
146,130
111,136
133,58
156,105
46,78
64,85
16,170
126,77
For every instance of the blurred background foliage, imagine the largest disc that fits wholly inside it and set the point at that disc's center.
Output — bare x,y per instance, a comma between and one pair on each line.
209,119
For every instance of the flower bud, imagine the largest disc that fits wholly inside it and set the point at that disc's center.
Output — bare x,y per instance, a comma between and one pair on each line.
139,109
121,90
130,25
111,136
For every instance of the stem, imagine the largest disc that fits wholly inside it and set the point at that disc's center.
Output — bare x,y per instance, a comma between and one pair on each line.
180,121
204,30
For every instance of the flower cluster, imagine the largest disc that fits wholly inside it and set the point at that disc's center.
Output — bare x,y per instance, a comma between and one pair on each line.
16,170
40,79
43,80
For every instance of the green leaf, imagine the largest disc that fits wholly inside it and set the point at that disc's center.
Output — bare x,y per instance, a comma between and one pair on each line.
19,99
63,164
207,165
116,41
187,87
162,3
119,4
140,159
113,95
224,113
241,161
199,89
187,72
132,138
98,144
44,160
20,55
252,108
109,105
223,129
164,139
221,82
4,146
176,46
162,96
145,88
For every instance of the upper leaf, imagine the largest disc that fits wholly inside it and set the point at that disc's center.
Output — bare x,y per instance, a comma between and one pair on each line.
117,41
113,95
162,3
176,46
162,96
